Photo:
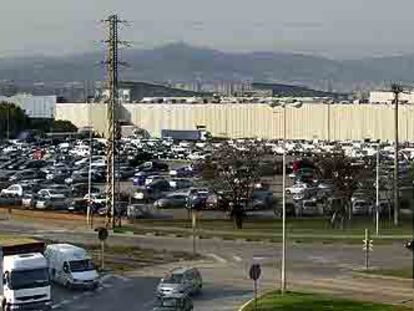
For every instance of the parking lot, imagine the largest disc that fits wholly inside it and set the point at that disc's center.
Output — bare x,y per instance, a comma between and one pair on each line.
161,179
156,176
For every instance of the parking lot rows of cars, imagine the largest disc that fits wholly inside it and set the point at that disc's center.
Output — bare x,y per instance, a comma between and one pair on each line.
55,175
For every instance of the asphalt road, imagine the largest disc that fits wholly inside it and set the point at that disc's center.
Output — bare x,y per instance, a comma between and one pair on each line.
329,268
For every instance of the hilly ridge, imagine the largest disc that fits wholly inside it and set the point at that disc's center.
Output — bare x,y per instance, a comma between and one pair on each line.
181,62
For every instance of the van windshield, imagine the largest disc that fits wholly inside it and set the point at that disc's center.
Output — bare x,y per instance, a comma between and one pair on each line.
81,265
20,279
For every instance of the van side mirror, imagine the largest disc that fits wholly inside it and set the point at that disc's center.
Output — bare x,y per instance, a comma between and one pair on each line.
66,268
6,278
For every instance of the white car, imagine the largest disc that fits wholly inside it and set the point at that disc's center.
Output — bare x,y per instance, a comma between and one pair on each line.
50,194
196,156
298,189
97,198
15,190
361,207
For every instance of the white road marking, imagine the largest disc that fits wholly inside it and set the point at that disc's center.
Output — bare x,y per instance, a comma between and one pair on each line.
217,257
122,278
237,258
106,277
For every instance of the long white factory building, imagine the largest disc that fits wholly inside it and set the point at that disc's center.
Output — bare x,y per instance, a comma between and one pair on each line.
248,120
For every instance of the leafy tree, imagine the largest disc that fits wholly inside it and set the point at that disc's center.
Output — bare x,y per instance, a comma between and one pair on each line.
63,126
233,172
12,120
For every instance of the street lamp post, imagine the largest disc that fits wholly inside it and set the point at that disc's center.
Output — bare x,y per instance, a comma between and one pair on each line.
295,104
396,89
377,192
8,121
283,272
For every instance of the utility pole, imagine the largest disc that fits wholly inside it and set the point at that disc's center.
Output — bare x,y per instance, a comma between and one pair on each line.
112,23
8,120
283,268
396,89
377,211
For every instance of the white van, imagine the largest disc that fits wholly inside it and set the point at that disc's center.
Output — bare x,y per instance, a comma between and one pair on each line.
71,266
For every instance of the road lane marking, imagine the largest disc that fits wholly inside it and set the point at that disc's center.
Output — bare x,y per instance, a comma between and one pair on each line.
122,278
217,257
106,277
237,258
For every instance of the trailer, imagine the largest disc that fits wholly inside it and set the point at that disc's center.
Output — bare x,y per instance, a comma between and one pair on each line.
25,282
188,135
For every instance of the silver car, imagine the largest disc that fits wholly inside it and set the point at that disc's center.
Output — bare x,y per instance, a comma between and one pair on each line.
186,281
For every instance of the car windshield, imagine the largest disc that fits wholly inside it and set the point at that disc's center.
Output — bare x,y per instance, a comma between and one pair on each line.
173,279
81,265
53,191
29,279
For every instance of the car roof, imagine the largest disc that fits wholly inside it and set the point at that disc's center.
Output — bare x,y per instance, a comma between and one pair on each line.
181,270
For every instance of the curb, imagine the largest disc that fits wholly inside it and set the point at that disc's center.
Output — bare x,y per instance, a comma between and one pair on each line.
243,306
381,277
246,304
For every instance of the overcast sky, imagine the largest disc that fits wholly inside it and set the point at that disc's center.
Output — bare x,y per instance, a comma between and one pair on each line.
334,28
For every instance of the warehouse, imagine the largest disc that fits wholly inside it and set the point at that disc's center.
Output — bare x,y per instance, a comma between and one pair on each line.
310,121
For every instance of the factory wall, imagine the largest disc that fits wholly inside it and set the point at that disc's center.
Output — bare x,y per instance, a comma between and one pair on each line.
311,121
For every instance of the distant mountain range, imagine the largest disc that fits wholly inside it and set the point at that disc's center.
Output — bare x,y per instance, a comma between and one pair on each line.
181,62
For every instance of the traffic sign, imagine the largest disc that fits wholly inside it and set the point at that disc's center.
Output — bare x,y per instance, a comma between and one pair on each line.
255,272
410,245
102,233
368,245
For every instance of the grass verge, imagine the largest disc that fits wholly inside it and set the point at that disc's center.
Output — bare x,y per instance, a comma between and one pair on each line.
299,230
310,302
404,273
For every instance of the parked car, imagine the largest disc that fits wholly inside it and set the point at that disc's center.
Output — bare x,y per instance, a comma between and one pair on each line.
262,199
65,190
29,200
180,183
124,172
140,211
80,190
361,207
81,206
298,188
27,174
185,281
197,199
172,200
13,191
308,208
49,199
153,166
185,171
177,302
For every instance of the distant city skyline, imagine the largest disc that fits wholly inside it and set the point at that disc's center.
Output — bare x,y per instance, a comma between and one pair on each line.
337,29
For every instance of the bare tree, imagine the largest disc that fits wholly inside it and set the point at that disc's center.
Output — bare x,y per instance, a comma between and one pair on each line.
233,172
346,176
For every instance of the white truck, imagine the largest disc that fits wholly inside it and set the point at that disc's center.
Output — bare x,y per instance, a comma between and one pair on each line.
71,266
24,281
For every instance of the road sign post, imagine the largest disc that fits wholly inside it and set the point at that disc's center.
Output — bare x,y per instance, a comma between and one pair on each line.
368,246
254,274
194,227
102,236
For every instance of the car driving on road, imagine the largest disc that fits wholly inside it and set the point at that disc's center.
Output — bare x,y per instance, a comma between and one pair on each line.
186,281
178,302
